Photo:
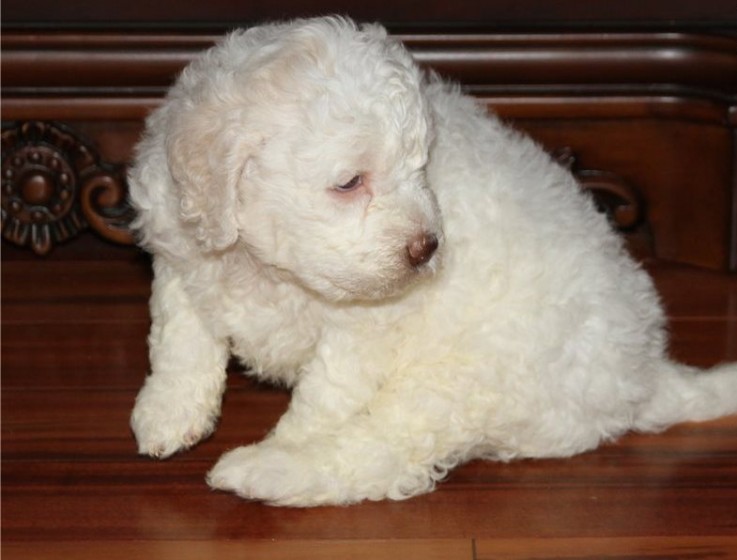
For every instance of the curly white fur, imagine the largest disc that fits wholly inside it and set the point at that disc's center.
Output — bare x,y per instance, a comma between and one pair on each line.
292,189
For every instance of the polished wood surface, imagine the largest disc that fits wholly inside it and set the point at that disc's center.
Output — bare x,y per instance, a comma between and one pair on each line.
74,356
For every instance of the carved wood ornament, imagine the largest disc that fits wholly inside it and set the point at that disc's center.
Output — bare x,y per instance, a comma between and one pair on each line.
55,186
613,195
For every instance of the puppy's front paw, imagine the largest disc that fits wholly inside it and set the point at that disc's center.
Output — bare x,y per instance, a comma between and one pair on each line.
165,422
274,474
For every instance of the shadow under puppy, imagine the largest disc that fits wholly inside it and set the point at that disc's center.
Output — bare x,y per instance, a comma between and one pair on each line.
431,285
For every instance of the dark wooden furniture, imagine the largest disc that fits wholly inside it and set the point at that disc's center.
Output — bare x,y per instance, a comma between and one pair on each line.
642,107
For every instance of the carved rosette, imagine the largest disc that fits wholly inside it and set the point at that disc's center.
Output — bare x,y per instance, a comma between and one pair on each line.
54,186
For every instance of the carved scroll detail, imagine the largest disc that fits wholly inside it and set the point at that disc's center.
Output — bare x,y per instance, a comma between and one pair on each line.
55,186
613,195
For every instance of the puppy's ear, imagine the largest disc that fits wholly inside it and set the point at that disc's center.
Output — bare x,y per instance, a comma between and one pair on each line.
207,152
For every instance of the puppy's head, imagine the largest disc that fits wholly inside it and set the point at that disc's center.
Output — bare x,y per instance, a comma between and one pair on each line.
305,145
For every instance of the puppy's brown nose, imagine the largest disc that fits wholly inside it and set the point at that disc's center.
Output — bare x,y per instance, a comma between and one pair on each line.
421,249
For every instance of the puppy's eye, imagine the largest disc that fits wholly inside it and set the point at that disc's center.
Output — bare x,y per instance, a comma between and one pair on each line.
353,184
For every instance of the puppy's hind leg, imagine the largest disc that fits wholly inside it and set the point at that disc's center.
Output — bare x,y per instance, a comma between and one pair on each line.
180,401
398,446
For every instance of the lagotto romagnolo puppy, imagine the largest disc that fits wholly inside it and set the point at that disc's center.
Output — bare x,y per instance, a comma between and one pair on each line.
431,285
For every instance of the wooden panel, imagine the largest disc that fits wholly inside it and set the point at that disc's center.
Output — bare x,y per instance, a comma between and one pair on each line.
623,547
429,549
521,13
655,155
651,110
681,169
149,62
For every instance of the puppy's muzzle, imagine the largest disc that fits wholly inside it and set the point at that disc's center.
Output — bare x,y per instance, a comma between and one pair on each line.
420,250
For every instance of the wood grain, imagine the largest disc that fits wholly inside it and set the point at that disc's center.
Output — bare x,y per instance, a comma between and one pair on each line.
623,547
146,62
430,549
74,355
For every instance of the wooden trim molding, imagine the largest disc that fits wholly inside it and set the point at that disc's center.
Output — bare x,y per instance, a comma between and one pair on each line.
507,105
121,76
151,61
489,14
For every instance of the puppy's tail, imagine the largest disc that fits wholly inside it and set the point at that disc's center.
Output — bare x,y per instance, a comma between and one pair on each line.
689,394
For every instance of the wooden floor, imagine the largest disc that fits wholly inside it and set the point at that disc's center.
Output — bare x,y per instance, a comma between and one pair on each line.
74,355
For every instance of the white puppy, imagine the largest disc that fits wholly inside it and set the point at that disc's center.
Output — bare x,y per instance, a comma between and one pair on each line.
431,285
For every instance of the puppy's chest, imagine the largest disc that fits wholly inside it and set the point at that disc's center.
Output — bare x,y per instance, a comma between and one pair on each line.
274,337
